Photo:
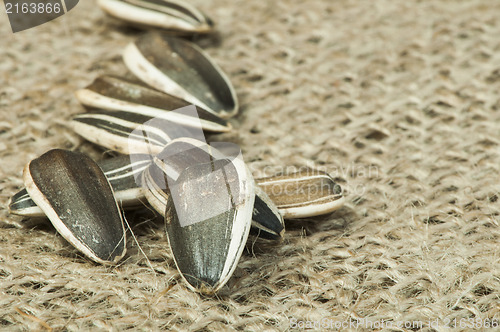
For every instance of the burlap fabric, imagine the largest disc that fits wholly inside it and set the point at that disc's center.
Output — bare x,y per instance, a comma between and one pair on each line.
398,100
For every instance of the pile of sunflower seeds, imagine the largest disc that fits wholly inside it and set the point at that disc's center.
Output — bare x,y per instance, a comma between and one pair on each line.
206,193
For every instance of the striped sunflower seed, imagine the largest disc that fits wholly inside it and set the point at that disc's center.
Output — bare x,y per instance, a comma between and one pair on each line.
176,16
127,132
121,173
73,192
115,93
180,68
267,221
303,194
208,213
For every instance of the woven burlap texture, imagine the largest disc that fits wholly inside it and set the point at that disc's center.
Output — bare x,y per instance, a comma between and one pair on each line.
398,100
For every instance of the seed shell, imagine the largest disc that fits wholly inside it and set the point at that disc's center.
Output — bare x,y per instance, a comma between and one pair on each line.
303,194
176,16
182,69
77,198
22,205
127,132
267,221
115,93
123,175
208,214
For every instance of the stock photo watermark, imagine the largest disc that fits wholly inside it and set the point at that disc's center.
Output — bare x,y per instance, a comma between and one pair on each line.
311,183
345,171
192,166
364,323
27,14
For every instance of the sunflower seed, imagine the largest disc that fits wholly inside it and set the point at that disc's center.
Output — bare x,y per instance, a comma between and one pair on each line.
121,173
267,221
182,69
303,194
127,132
173,15
22,204
154,192
115,93
75,195
208,213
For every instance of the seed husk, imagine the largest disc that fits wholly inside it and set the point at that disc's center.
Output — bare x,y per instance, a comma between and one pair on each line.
115,93
182,69
155,193
122,174
267,221
178,17
303,194
22,205
127,132
73,192
208,213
